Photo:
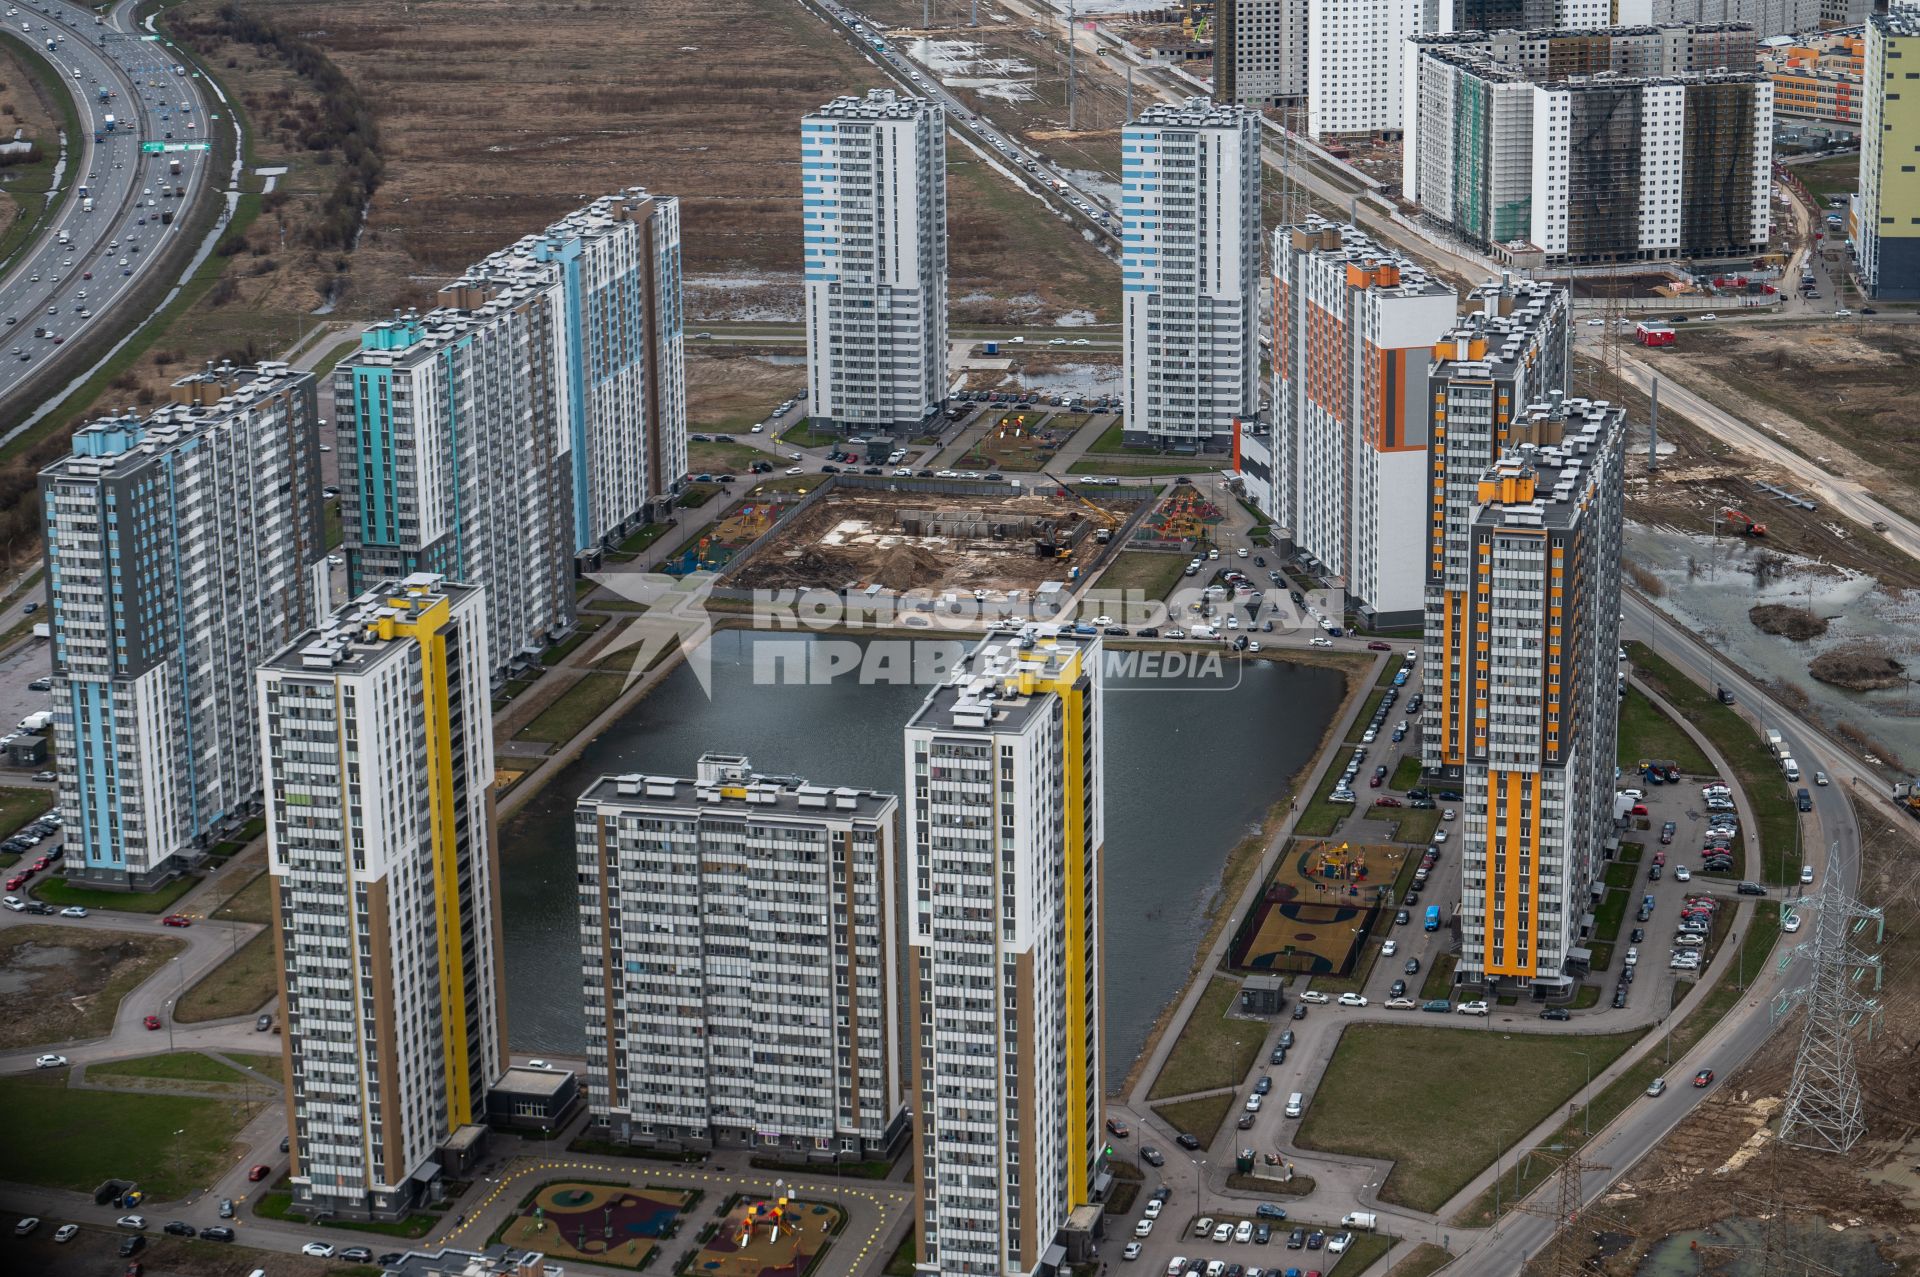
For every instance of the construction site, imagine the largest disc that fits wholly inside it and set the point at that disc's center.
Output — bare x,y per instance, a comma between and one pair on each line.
852,537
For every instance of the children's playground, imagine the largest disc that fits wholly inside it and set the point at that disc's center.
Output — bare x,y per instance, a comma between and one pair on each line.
733,532
1319,906
1185,517
597,1223
766,1237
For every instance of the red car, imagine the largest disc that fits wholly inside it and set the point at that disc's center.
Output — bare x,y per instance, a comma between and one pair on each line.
1386,802
1703,1078
1379,647
1639,809
1117,1128
259,1173
19,880
40,865
176,920
152,1022
1373,782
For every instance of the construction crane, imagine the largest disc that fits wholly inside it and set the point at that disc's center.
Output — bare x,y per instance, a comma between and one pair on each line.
1106,517
1742,522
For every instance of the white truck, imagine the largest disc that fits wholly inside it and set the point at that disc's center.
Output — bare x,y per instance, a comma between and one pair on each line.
1773,740
1791,768
39,721
1366,1221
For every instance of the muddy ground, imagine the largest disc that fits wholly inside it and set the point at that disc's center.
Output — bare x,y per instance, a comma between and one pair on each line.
1853,385
54,979
1721,1160
854,537
1700,478
23,108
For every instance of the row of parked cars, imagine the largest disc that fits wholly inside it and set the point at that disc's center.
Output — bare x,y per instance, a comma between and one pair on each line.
23,841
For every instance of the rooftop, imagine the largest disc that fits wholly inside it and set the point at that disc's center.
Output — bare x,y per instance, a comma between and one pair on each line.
494,1261
1194,113
1547,485
1342,244
726,784
363,632
878,104
1004,679
1903,20
201,400
1507,320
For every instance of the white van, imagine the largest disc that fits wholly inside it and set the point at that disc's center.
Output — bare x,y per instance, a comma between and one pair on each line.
1791,768
1296,1105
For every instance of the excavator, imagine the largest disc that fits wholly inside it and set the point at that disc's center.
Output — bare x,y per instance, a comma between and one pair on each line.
1907,794
1743,523
1107,519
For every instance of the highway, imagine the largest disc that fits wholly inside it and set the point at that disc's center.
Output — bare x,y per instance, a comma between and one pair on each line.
107,235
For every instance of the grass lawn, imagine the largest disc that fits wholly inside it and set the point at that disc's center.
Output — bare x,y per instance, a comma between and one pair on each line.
1611,913
252,903
268,1065
55,891
643,537
1620,875
1588,995
280,1206
1646,732
1407,774
1367,1250
1754,765
1201,1117
1835,175
1213,1051
1438,1075
722,458
1321,817
900,1264
1427,1258
802,435
19,805
190,1066
1364,718
1528,1173
1148,571
1412,824
172,1144
587,626
576,707
239,986
697,494
1139,465
1439,981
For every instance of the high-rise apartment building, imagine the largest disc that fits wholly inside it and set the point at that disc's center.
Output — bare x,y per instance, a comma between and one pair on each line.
1887,215
1353,327
1544,561
1587,146
181,548
1522,15
1354,68
1260,52
455,459
619,375
739,950
1507,354
1768,18
1004,837
1190,270
873,174
379,761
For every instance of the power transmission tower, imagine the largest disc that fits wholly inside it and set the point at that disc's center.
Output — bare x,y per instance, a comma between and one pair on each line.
1823,1111
1563,1254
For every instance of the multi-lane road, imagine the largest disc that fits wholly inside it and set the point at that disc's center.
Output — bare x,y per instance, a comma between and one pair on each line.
109,232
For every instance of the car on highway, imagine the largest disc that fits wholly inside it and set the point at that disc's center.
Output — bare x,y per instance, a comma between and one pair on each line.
1703,1078
50,1062
1657,1087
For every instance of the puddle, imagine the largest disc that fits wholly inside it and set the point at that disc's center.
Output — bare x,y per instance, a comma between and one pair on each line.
1740,1248
1711,583
1104,188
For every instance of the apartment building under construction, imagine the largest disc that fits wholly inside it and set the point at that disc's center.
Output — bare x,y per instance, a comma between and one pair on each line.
1606,145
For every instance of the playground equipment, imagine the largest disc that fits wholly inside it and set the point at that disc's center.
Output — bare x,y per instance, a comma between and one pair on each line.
770,1215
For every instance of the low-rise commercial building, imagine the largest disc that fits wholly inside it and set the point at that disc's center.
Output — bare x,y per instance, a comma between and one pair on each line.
738,950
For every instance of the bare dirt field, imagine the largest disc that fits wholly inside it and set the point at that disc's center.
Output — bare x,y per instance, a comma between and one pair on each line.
729,390
1852,385
920,541
64,983
1702,478
488,134
22,108
1720,1162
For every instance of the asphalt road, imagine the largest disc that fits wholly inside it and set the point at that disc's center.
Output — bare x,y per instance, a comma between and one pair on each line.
62,289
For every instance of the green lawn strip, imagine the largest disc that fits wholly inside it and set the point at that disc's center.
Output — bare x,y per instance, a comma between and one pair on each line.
239,986
722,458
1411,824
1632,852
1322,817
172,1144
643,537
1612,911
1753,763
19,805
697,494
587,626
55,891
188,1066
37,205
1367,1250
578,706
1646,732
1212,1051
327,361
1619,875
1151,572
1425,1260
1142,465
1439,1075
900,1263
1365,716
252,903
268,1065
802,435
1407,774
1439,981
280,1206
1587,995
1201,1117
1632,1083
